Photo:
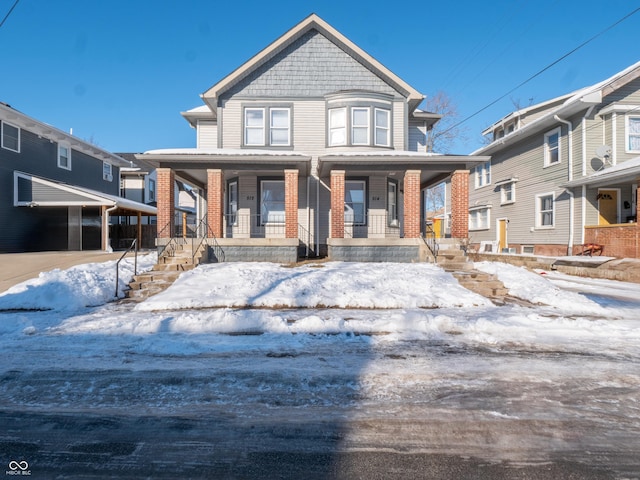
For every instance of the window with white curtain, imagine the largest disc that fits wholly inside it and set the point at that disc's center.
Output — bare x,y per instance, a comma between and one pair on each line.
479,218
279,129
337,126
483,174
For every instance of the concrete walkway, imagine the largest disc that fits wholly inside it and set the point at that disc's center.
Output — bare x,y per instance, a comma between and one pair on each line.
18,267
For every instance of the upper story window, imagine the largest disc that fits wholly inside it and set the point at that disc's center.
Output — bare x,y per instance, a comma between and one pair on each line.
507,193
10,137
359,118
64,156
633,133
267,126
482,174
552,147
107,172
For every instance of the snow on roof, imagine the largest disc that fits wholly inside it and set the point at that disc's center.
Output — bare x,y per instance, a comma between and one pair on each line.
223,151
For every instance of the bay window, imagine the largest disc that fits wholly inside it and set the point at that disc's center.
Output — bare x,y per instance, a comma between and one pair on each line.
359,126
382,127
337,126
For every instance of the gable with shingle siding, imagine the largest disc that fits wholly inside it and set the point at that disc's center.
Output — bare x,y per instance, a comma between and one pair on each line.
312,66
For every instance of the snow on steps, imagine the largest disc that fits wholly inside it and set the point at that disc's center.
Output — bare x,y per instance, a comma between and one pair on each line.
168,268
453,259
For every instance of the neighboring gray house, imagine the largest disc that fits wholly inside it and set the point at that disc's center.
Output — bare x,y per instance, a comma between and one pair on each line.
311,146
57,192
562,174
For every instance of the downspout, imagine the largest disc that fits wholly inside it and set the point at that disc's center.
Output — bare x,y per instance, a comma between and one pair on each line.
308,217
570,177
105,229
583,196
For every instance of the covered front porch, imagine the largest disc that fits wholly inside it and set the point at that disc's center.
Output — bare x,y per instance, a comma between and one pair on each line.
377,203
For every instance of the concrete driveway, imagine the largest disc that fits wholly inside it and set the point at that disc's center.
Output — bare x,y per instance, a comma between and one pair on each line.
18,267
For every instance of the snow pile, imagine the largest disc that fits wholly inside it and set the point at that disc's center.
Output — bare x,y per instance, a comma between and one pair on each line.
535,288
326,285
81,286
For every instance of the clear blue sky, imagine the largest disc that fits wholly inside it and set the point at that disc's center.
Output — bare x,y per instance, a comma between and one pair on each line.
119,72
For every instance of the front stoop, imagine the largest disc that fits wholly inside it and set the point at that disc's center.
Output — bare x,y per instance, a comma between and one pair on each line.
166,271
454,260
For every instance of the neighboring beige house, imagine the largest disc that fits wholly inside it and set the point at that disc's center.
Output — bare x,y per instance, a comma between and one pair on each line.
311,147
562,174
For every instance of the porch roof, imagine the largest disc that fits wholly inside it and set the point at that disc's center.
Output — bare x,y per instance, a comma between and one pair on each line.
33,191
432,165
625,172
195,161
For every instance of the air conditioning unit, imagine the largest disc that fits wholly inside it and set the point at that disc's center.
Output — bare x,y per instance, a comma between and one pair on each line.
108,177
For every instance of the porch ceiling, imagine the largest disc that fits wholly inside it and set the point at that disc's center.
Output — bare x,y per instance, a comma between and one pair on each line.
431,166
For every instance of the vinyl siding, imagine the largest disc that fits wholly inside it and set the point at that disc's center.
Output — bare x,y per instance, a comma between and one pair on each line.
207,134
417,137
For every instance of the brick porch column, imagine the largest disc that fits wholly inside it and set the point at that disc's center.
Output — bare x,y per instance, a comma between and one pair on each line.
165,201
412,204
460,204
337,204
291,203
215,202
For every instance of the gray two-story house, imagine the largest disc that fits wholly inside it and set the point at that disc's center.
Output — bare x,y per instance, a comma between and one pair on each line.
57,192
311,146
563,174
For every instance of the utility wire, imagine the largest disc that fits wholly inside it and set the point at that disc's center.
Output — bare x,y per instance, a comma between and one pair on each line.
9,13
540,72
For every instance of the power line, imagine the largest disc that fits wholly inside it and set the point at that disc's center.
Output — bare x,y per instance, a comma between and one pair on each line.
540,72
9,13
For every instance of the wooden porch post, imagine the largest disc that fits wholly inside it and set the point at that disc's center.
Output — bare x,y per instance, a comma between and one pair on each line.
337,204
139,230
291,203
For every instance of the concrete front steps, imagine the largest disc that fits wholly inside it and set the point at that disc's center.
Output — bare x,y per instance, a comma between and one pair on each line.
171,264
454,260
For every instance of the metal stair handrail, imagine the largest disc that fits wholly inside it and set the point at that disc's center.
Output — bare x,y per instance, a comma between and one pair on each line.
134,245
431,241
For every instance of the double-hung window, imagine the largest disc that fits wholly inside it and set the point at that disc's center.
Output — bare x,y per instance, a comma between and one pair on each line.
338,126
10,137
483,174
64,156
633,134
254,126
507,193
152,190
382,138
107,172
479,218
545,208
552,147
272,201
267,126
360,126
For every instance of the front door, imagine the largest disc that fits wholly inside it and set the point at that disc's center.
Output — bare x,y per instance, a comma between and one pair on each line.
607,207
502,234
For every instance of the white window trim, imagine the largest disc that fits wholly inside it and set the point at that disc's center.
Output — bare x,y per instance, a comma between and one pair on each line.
287,128
503,201
627,133
539,225
68,148
343,111
367,126
377,127
477,209
478,176
107,172
246,127
2,136
232,216
547,156
151,192
364,204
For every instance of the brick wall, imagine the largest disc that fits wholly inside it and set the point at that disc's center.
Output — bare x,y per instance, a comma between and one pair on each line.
412,204
165,201
621,241
215,202
337,204
460,204
291,203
